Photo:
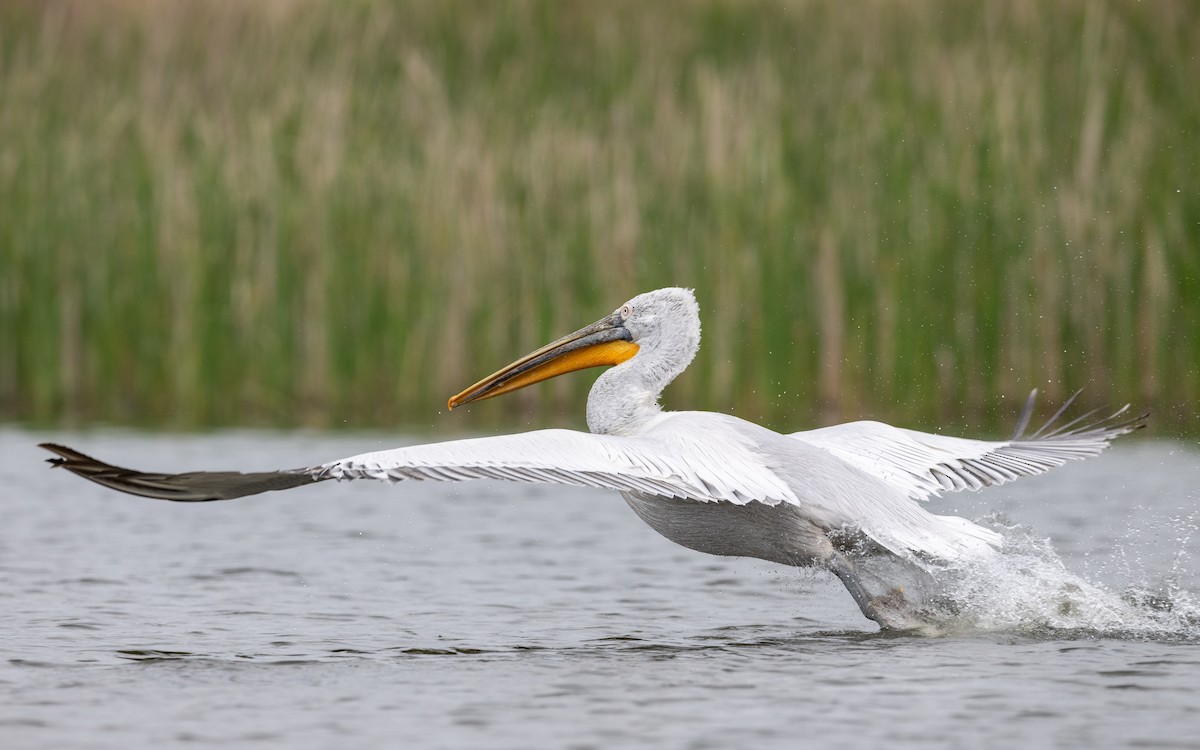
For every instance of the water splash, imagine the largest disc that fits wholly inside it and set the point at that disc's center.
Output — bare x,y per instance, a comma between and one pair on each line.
1027,588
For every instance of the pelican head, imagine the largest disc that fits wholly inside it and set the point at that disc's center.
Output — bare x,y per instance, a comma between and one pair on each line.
661,327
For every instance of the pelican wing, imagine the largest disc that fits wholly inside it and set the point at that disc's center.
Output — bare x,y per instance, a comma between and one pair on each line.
923,464
667,462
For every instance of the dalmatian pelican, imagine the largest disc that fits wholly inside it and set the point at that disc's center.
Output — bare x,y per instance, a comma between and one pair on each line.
829,497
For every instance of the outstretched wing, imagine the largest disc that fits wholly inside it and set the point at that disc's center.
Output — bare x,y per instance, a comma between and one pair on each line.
922,464
671,460
719,468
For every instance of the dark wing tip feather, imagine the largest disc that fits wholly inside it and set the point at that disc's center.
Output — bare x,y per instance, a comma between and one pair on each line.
1105,428
200,486
65,454
1081,427
1043,450
1061,410
1026,413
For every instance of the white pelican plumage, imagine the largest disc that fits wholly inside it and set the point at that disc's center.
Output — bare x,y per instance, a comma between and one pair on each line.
711,482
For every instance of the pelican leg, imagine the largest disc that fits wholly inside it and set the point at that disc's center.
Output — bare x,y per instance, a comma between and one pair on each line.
891,610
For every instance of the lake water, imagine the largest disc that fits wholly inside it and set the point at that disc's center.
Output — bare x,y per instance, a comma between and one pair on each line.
510,616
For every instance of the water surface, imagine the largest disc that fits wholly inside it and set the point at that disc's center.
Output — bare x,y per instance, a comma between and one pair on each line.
493,615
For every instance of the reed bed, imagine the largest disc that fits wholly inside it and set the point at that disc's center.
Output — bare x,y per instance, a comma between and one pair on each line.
337,214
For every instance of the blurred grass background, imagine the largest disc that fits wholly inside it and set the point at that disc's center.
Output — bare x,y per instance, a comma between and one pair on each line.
328,214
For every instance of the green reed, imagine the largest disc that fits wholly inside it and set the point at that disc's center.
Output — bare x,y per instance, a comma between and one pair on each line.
336,214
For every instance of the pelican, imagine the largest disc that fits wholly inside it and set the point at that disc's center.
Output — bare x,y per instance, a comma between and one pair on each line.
827,498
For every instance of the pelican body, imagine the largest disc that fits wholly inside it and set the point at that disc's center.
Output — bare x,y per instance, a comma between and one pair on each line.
835,498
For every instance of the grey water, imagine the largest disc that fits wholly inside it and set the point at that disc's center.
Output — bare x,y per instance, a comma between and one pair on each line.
514,616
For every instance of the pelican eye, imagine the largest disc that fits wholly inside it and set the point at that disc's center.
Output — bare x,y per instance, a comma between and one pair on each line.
626,311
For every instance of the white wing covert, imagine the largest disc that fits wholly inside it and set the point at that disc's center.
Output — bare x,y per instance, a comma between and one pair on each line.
662,462
923,464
